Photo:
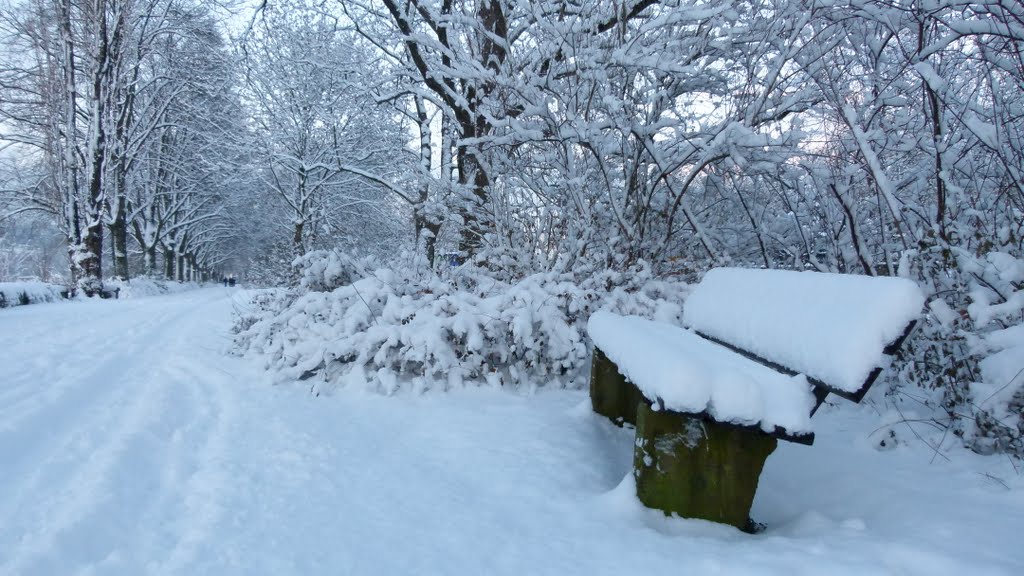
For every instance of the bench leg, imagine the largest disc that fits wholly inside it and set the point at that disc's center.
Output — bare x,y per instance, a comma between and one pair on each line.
697,468
611,395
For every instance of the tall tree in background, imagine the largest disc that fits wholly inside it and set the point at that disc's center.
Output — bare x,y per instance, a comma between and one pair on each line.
77,59
452,53
195,151
87,90
325,147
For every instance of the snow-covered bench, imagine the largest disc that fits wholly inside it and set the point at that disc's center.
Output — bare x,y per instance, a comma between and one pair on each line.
761,351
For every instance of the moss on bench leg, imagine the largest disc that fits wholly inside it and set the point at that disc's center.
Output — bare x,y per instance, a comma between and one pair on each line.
611,395
697,468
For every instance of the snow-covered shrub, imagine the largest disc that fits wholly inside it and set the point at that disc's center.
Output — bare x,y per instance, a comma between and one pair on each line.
997,310
970,348
325,270
250,306
23,293
393,327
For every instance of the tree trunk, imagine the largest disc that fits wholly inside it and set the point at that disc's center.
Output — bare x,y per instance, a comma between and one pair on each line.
474,124
150,256
89,258
426,229
119,239
474,183
297,246
422,220
169,264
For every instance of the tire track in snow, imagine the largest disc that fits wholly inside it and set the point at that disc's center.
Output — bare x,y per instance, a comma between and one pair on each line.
202,500
91,452
195,482
75,385
187,474
75,478
66,371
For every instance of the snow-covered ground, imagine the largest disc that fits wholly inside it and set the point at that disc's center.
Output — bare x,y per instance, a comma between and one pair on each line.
129,444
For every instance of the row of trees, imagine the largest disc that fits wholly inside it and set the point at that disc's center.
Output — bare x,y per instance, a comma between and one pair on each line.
157,147
864,136
123,115
876,137
799,133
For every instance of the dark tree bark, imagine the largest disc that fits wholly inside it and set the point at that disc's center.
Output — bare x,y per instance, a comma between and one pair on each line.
463,98
119,238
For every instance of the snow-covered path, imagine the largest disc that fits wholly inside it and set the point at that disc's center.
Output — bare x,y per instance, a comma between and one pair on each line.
115,419
130,444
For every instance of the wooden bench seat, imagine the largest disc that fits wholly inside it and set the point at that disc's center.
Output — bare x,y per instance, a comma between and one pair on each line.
761,351
685,373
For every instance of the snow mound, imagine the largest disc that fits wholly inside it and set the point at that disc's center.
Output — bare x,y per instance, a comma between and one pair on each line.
31,292
690,374
832,327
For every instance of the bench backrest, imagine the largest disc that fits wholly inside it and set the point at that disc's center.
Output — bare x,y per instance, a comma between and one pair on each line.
835,328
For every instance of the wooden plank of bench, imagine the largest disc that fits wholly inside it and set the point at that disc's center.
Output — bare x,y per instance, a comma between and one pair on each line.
823,389
681,372
613,396
835,328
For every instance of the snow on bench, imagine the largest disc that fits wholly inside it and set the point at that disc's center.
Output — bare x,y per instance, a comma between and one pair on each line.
689,374
835,328
761,351
764,346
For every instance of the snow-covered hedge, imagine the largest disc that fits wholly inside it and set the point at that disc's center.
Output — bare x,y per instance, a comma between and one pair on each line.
352,323
252,305
970,350
997,311
21,293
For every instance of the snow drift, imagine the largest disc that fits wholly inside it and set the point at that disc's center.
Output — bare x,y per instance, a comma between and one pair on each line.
33,292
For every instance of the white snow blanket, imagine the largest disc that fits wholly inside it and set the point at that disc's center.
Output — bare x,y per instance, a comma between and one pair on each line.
129,445
832,327
14,293
690,374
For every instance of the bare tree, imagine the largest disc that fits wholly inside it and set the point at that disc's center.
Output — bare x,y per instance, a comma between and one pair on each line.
324,143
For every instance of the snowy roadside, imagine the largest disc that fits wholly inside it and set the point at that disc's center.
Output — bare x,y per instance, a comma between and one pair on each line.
31,292
132,445
143,287
22,293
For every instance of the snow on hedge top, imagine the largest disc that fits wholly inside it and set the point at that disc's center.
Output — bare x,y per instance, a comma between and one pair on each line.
693,375
832,327
30,292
